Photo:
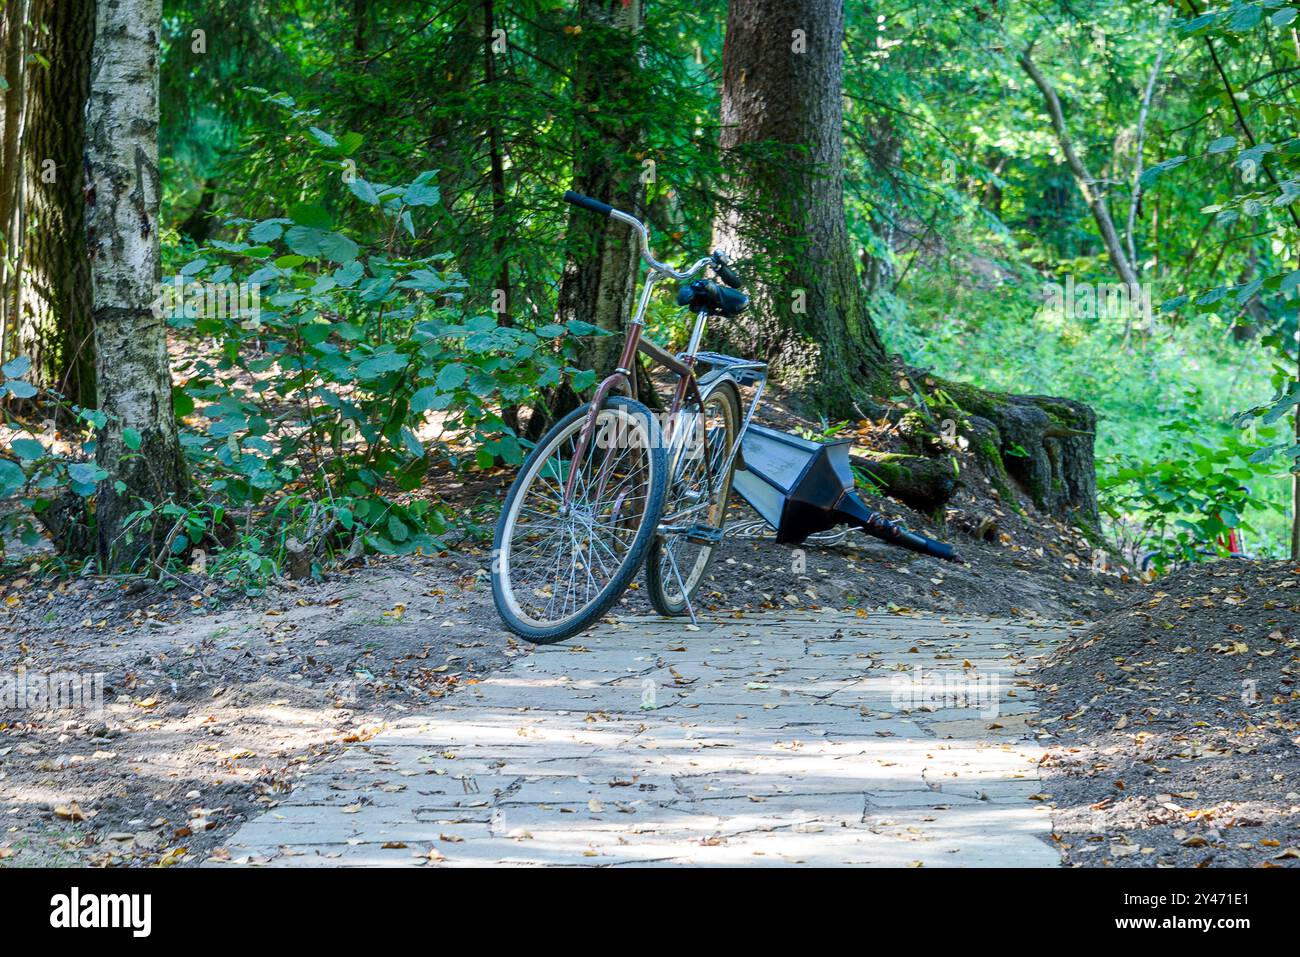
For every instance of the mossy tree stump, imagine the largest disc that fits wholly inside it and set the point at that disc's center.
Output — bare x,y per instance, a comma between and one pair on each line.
1041,444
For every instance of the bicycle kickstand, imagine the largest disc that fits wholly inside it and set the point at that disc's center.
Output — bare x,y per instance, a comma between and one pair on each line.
672,560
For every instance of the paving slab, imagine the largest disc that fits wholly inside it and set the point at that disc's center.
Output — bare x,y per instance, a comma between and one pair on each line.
782,740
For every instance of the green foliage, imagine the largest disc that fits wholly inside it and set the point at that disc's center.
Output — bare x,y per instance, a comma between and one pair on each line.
316,410
38,466
1169,386
1190,495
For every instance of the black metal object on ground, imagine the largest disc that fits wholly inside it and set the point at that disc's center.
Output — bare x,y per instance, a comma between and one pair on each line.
802,487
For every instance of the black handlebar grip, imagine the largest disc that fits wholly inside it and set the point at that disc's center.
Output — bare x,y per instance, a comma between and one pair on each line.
586,202
729,277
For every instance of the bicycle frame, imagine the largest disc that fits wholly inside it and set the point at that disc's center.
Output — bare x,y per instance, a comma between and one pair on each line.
635,342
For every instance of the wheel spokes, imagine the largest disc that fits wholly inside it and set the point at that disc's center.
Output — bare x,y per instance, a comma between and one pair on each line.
562,559
694,499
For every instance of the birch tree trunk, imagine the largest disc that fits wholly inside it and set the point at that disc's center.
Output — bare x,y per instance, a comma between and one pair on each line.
138,447
1135,192
782,131
54,323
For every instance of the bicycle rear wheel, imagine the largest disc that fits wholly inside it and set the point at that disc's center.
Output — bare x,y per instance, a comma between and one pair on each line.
557,569
691,529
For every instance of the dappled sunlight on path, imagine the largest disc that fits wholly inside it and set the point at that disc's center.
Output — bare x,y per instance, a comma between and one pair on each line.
792,739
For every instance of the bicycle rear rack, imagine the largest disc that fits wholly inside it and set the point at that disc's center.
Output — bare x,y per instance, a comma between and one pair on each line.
746,372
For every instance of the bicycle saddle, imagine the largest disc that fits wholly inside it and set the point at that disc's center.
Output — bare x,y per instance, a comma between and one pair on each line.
706,296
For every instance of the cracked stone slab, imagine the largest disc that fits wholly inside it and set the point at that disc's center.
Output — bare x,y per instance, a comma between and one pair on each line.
779,740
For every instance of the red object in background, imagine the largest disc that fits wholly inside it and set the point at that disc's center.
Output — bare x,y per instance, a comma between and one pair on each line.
1233,543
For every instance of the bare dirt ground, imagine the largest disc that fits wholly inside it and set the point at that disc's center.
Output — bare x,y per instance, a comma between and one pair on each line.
215,704
210,713
1178,721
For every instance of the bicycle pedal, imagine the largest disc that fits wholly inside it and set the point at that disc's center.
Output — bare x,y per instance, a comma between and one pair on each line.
703,535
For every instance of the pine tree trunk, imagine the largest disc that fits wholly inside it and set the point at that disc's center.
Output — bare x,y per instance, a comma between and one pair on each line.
130,341
55,301
782,118
599,279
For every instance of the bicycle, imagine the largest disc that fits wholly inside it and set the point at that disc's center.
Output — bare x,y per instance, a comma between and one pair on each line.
610,488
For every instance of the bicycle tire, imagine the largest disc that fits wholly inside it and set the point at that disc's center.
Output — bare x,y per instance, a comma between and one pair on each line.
502,588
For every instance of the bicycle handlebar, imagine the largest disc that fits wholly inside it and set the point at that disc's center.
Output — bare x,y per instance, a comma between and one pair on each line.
718,261
722,266
587,203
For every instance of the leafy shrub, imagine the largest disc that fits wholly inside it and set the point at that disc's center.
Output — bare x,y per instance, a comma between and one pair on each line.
310,413
1189,497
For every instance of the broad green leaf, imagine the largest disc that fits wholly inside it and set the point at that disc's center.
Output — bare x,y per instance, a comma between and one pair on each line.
422,400
11,477
323,138
1246,18
347,276
381,365
1153,173
451,377
363,191
349,142
267,231
27,449
310,215
423,191
86,473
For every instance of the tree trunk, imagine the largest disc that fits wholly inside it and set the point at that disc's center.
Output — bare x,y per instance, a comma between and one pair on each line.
501,220
55,300
921,481
599,279
1092,194
995,161
13,49
130,341
1135,193
782,118
199,225
885,153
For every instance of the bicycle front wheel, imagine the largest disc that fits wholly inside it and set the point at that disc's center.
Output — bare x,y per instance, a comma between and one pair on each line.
558,568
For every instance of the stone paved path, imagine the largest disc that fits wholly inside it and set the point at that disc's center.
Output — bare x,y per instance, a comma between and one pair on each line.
763,741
